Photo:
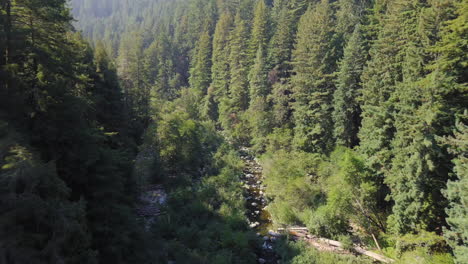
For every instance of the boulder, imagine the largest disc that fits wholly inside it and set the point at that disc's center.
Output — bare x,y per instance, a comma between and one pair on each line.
273,233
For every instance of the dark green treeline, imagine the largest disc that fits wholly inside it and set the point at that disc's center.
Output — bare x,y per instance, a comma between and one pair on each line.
67,139
384,78
358,108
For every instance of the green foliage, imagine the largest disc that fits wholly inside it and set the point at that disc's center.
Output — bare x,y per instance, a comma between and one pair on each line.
185,145
205,222
237,99
422,247
39,223
346,113
346,242
456,193
220,69
260,29
290,79
313,88
300,253
286,173
200,73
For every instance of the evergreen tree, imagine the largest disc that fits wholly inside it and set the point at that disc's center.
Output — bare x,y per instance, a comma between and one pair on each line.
200,73
131,74
314,61
260,29
220,69
456,193
281,43
422,107
258,76
108,94
258,112
349,13
238,64
346,113
39,224
237,99
379,79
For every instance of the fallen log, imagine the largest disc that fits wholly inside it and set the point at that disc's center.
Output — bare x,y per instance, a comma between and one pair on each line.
358,250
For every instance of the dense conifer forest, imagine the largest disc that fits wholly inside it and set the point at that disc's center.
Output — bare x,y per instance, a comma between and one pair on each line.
356,111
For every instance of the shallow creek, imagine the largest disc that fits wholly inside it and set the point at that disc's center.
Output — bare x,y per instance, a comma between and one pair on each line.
256,203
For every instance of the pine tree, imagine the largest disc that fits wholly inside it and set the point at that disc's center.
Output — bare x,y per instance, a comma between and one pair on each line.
285,16
258,107
457,194
258,76
379,79
238,64
260,29
281,43
131,73
346,113
421,106
220,68
348,15
39,222
108,94
200,73
314,61
237,100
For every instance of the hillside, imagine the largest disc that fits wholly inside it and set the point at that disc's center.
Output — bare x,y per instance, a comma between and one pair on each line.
197,131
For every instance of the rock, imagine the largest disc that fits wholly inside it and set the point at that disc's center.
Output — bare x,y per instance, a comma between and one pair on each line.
254,204
273,233
259,182
267,246
257,212
260,192
254,224
261,261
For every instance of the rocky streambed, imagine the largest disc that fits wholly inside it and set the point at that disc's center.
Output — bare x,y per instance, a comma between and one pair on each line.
256,203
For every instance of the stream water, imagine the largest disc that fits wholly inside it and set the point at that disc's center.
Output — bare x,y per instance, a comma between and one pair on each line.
256,203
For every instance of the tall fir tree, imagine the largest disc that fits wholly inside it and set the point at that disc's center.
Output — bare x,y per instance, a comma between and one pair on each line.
379,78
260,29
457,192
423,108
237,98
314,60
258,112
200,73
346,107
220,66
281,43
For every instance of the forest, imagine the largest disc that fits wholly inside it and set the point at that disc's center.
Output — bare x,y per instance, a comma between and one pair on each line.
354,114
